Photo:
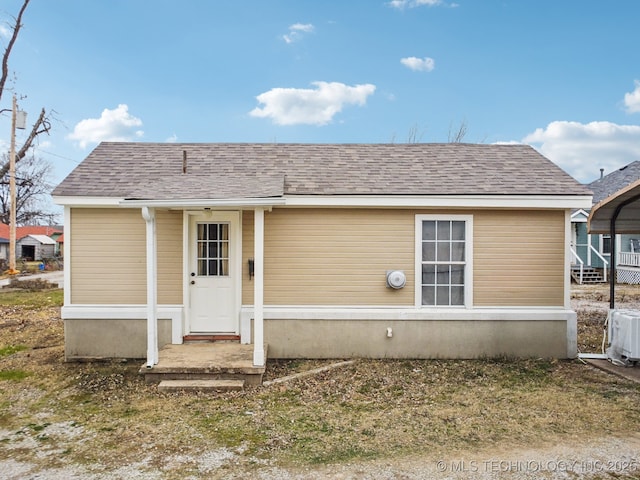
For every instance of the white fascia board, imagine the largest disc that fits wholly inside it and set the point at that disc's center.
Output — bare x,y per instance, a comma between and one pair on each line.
205,203
87,201
379,201
579,216
442,201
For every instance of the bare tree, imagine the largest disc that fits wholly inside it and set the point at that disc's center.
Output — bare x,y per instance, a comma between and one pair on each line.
415,135
32,188
457,136
43,123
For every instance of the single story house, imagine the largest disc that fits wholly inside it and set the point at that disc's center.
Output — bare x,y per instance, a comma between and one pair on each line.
319,250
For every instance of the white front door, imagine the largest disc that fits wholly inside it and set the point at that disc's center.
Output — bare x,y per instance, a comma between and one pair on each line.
214,273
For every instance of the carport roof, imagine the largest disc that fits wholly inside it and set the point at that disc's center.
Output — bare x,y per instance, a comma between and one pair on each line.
626,203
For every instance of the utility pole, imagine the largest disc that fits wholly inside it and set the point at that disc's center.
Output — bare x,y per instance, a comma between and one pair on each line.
15,123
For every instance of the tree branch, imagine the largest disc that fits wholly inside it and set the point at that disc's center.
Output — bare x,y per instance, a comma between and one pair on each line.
42,125
7,52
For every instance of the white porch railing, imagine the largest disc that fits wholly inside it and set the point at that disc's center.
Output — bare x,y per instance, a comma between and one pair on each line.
605,263
577,258
629,259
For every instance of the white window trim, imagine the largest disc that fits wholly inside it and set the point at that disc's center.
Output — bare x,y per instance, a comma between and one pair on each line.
468,271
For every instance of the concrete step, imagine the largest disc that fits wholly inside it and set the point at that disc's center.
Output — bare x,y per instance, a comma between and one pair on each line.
200,385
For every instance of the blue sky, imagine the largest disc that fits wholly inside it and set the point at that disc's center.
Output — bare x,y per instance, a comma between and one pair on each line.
563,76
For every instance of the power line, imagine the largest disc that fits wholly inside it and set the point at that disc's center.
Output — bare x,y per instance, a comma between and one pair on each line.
59,156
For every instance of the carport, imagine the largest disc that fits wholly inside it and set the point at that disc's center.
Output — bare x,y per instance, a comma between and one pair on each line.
619,214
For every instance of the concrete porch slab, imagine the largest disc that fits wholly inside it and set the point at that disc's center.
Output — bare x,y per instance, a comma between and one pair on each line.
200,361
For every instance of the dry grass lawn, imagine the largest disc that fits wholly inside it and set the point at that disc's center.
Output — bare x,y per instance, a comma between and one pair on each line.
103,415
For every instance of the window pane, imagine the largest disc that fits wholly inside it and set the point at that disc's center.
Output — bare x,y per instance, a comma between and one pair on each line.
213,267
224,250
224,231
442,295
428,274
213,231
224,267
457,252
457,274
213,250
457,295
457,231
202,249
444,252
428,230
429,252
428,295
202,267
443,277
444,230
202,231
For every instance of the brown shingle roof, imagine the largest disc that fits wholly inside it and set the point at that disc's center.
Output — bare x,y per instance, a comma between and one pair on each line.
226,170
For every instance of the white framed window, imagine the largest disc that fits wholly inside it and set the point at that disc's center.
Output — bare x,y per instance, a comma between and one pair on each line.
444,261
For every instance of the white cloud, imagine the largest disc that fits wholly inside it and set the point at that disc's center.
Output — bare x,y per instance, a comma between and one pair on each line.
116,125
172,139
425,64
5,32
295,106
401,4
632,100
582,149
296,32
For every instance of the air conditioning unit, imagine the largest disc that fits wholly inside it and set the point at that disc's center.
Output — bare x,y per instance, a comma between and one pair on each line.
624,336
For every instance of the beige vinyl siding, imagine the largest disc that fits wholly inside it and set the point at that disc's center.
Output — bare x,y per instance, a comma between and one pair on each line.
169,231
336,256
340,256
519,258
108,256
247,253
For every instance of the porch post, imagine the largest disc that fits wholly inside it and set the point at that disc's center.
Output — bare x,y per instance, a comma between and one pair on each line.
258,289
149,215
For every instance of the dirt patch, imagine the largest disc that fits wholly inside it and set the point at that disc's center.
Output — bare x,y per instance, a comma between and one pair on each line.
371,419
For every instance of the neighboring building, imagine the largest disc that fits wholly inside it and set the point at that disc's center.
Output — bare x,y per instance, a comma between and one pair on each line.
4,248
320,251
594,251
35,247
59,245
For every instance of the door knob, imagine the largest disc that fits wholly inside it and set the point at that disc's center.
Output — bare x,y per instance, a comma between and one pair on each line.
193,282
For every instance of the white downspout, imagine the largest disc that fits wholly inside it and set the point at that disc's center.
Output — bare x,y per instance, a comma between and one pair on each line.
149,215
258,289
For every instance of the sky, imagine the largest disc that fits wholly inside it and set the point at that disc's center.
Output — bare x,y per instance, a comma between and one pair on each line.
562,76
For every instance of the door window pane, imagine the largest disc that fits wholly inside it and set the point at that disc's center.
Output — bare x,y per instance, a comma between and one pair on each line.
213,249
